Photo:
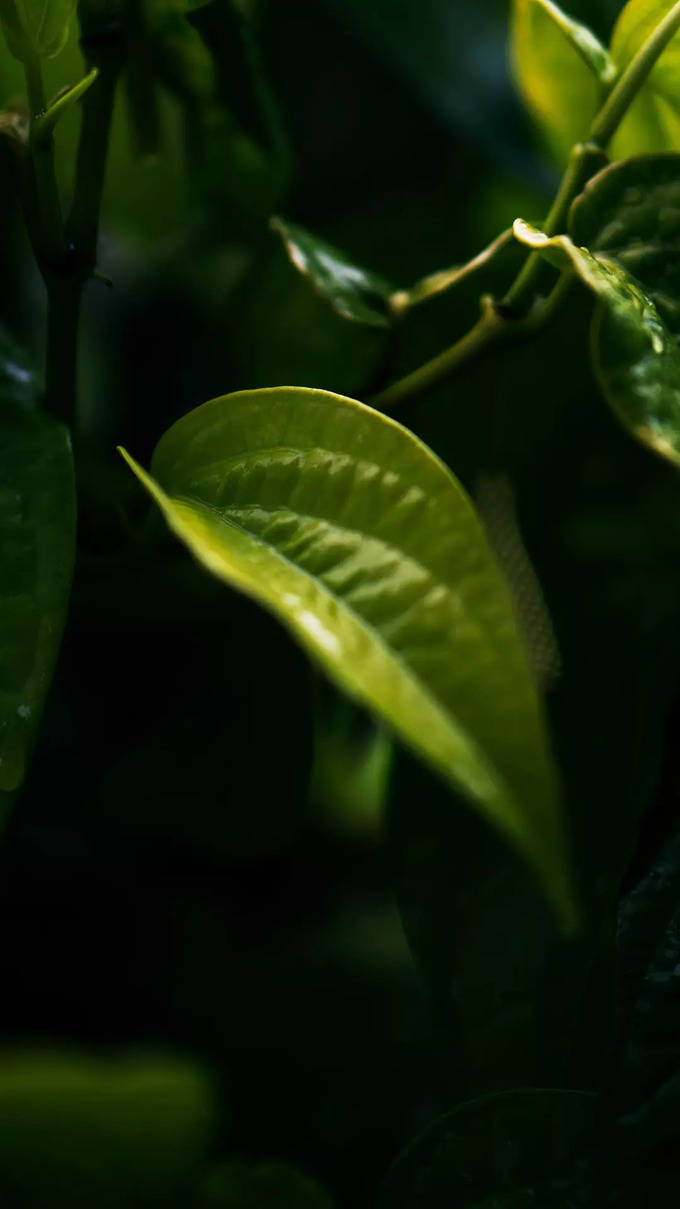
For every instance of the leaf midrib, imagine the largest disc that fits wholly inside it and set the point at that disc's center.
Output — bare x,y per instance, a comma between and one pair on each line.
497,776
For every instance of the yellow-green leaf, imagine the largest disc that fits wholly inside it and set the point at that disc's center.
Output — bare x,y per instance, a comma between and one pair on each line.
561,69
358,538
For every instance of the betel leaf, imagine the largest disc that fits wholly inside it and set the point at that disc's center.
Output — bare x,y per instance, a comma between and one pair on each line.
653,123
562,70
635,357
36,27
503,1151
631,211
354,292
37,539
365,297
352,532
129,1129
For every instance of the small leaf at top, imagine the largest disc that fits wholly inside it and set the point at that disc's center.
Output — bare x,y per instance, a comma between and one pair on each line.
631,211
37,538
561,70
503,1151
36,27
352,532
636,359
353,292
653,122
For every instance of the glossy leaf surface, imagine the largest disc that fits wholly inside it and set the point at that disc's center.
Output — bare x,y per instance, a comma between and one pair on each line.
353,292
114,1133
37,536
560,67
36,27
347,528
505,1151
636,359
631,211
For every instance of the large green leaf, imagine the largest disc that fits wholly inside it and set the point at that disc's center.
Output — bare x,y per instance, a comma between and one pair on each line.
37,537
636,359
561,69
631,211
36,27
117,1132
506,1151
344,525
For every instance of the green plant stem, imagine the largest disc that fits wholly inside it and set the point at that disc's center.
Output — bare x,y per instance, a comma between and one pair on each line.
630,82
586,158
65,285
490,328
48,239
64,296
97,110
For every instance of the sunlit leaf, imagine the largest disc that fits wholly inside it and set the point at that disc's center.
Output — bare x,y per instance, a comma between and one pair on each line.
347,528
653,123
631,211
636,359
504,1151
37,536
560,67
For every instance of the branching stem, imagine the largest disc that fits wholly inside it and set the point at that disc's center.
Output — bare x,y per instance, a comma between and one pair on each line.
519,304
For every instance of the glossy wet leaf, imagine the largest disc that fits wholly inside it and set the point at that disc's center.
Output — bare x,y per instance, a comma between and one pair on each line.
507,1151
37,538
347,528
631,211
354,292
113,1132
635,357
36,27
560,67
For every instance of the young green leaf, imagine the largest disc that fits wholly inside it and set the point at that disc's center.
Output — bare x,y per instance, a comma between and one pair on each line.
631,211
561,69
353,292
636,359
36,27
346,527
653,123
37,537
502,1151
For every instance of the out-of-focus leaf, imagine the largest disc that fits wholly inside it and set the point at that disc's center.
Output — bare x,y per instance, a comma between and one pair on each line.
653,123
277,1185
354,292
347,528
561,69
36,27
504,1151
635,25
351,767
631,211
112,1132
636,359
37,541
